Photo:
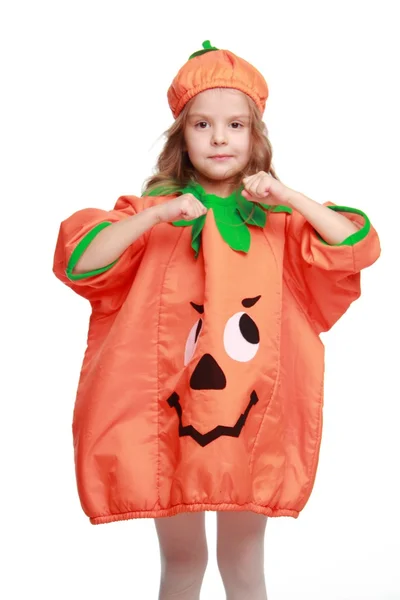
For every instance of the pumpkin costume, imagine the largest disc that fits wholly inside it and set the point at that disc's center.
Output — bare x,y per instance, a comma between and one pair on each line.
202,382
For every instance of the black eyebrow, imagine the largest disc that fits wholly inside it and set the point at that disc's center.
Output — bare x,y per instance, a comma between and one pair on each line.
248,302
198,307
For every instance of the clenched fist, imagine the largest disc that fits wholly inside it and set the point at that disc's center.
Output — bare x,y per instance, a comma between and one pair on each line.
185,207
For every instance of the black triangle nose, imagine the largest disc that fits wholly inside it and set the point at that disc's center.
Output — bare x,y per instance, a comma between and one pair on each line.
208,375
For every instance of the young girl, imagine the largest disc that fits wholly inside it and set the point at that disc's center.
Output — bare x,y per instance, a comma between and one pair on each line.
202,383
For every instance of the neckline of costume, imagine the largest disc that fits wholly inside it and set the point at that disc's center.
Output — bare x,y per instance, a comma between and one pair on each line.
210,200
233,215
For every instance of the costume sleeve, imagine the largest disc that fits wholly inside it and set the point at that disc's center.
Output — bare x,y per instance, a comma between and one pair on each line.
325,278
75,235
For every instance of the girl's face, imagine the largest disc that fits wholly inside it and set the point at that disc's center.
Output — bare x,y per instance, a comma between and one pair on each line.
218,123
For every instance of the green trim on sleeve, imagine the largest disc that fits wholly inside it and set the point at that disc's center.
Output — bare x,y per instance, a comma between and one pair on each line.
80,249
354,237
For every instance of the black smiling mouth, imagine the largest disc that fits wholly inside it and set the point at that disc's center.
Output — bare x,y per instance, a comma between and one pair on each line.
206,438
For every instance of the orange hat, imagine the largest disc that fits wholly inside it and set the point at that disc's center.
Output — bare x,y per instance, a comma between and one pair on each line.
211,68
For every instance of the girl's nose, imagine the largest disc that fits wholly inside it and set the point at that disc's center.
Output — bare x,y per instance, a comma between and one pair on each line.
219,136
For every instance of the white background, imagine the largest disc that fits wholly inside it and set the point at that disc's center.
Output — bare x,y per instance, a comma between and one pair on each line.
83,109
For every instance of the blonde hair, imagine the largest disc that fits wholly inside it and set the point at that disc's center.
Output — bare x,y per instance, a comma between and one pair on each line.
174,169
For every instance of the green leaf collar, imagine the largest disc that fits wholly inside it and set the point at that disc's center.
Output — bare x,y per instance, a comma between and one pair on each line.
233,215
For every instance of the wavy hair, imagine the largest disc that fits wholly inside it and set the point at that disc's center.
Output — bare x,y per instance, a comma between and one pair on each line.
175,171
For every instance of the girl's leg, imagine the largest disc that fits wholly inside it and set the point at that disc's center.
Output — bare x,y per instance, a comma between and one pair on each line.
240,554
184,555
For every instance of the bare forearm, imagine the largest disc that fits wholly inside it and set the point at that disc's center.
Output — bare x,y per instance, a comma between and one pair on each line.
112,241
331,225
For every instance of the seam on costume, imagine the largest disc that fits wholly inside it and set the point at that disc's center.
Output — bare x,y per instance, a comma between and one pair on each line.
271,398
312,322
315,459
355,269
158,367
288,280
273,391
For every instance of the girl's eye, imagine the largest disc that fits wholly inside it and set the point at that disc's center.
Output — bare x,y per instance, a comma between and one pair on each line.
234,123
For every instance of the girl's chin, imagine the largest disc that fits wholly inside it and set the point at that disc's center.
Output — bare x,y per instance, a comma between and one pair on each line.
220,172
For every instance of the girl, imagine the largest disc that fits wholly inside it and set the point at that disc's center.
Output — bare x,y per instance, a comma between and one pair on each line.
202,383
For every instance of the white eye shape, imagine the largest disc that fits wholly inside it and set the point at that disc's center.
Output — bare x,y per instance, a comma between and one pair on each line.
241,337
191,341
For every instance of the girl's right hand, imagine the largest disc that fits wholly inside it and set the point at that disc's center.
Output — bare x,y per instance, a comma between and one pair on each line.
185,207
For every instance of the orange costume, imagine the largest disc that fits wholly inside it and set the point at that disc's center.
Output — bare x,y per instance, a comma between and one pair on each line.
202,383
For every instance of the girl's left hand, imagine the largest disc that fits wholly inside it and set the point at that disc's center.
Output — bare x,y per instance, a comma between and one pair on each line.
264,187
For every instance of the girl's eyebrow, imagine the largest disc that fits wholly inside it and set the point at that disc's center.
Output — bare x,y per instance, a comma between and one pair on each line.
203,116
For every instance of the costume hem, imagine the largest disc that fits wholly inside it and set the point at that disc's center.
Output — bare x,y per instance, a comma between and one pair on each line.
180,508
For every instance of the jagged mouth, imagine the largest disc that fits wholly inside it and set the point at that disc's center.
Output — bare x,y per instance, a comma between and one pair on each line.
206,438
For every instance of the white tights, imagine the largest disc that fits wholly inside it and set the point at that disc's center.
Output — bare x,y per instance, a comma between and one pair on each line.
184,554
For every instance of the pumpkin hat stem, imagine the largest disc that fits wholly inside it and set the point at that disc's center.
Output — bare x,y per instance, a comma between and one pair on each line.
206,48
